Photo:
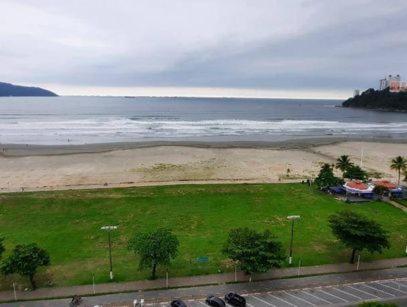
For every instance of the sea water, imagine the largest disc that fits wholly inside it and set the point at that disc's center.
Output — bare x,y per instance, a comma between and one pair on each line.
82,120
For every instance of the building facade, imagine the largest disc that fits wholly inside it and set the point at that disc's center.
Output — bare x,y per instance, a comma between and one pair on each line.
394,83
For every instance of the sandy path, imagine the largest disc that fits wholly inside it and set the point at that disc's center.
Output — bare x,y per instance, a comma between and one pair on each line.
174,164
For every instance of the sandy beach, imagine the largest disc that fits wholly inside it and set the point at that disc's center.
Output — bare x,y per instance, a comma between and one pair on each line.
118,165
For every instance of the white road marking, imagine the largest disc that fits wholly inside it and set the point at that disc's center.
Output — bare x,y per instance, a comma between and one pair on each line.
263,301
299,298
202,303
250,305
394,289
397,284
318,298
368,293
366,285
350,294
283,300
339,298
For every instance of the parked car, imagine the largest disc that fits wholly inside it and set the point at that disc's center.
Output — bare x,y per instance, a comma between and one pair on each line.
235,299
214,301
178,303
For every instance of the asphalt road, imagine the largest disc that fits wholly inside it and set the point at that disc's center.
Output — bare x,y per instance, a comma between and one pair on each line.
334,289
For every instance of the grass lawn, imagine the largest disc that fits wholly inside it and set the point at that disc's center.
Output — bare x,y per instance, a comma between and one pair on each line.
67,224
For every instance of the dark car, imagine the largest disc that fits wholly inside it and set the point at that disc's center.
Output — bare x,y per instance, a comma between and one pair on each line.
235,299
214,301
178,303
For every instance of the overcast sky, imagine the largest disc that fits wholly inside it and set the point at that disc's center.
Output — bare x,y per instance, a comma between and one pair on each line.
292,48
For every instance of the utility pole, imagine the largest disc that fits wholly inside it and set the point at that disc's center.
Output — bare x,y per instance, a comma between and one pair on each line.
292,218
109,228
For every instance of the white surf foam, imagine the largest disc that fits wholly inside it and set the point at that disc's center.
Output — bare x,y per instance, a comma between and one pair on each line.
114,129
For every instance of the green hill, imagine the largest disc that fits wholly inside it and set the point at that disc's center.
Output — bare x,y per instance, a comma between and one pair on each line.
382,100
7,89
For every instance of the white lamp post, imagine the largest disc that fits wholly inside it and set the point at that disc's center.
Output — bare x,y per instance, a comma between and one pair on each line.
109,228
292,218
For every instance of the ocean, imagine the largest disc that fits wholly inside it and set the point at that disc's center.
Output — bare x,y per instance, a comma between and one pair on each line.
87,120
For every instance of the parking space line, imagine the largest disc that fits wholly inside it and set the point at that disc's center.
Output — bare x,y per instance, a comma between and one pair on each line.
373,288
202,303
350,294
299,298
263,301
397,284
339,298
368,293
283,300
402,281
394,289
317,297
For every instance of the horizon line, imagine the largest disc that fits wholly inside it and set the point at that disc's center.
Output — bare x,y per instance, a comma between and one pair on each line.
195,97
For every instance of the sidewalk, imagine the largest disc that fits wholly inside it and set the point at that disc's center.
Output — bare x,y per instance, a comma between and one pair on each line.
397,205
198,280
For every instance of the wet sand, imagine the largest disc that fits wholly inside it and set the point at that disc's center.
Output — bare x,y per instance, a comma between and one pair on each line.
155,163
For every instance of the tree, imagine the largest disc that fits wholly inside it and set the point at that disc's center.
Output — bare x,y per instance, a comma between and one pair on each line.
326,177
358,232
400,164
254,251
375,99
343,163
355,172
376,304
154,248
25,260
2,247
380,190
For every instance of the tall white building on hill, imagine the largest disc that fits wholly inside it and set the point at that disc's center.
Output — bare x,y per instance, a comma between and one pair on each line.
394,83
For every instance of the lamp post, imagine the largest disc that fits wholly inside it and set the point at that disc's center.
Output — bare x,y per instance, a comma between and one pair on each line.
292,218
109,228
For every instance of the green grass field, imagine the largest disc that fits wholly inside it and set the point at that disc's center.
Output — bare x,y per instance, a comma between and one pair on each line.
68,223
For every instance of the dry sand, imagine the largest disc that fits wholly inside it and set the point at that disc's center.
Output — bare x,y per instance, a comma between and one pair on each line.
51,169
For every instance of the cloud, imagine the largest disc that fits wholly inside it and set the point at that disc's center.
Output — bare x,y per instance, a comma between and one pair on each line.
262,44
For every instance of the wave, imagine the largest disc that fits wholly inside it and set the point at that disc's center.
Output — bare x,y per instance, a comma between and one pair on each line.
102,129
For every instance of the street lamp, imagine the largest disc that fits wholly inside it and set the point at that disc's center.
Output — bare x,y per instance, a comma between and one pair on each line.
292,218
109,228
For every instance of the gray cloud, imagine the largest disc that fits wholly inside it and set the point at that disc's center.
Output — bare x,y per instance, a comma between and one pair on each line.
313,45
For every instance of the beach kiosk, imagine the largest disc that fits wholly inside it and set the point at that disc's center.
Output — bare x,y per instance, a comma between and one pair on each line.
394,190
359,189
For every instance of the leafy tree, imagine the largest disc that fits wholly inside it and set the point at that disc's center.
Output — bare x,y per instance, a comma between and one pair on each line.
254,251
374,99
355,172
380,190
25,260
2,247
154,248
358,232
326,177
343,163
376,304
400,164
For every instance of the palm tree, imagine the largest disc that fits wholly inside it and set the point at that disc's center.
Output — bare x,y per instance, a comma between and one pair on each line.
343,163
400,164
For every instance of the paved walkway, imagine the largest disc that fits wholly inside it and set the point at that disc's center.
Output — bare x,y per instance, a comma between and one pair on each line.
397,205
199,280
193,295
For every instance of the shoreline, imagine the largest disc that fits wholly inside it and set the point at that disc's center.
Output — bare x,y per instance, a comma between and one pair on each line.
23,150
